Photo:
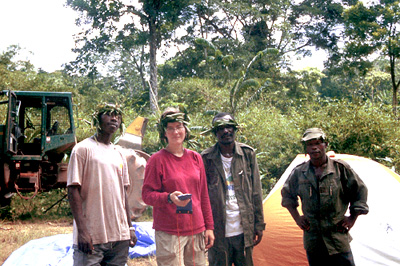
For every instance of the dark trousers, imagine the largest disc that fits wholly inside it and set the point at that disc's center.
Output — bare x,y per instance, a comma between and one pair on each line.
234,253
110,254
321,257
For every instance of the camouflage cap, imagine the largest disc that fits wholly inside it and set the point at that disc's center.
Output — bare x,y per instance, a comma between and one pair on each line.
226,120
171,115
313,133
174,117
107,108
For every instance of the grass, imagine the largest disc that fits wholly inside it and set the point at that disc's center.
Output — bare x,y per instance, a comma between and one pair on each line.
15,234
40,208
32,219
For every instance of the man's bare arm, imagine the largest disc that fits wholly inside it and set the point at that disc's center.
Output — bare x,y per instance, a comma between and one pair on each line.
301,221
133,239
84,239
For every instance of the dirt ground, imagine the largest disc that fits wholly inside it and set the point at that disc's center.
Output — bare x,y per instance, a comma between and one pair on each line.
15,234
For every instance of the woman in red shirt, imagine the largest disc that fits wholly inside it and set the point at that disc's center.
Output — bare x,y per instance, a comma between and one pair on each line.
181,236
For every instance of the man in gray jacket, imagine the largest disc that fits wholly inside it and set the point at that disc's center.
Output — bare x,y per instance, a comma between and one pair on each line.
327,188
234,188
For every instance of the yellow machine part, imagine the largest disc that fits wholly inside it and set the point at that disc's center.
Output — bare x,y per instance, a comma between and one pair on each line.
136,127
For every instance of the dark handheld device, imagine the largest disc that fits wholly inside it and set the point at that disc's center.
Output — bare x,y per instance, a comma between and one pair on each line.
188,207
185,196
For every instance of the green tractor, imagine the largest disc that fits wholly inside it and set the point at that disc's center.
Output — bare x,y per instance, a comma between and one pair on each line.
37,130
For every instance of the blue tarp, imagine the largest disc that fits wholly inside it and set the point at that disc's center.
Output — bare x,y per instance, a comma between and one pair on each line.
146,244
57,250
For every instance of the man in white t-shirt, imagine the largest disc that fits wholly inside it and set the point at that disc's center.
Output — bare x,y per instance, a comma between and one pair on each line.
234,188
97,183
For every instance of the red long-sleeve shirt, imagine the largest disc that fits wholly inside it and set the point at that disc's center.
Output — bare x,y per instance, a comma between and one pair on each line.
166,173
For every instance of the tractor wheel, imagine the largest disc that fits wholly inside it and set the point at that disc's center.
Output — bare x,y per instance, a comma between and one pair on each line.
5,196
5,206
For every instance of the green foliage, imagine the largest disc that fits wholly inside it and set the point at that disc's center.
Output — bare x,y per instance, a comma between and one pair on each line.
239,84
123,31
244,70
151,141
374,29
274,136
374,85
355,128
40,208
358,127
197,94
22,76
362,129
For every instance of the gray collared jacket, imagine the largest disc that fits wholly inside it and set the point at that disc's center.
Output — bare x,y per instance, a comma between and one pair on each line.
325,202
247,183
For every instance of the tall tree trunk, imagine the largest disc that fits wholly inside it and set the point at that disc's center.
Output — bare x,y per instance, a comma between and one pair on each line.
394,85
139,67
153,66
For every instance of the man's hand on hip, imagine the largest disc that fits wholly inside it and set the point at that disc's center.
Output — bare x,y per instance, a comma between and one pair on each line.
257,237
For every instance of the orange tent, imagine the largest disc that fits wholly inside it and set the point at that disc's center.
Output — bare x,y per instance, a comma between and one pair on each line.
376,236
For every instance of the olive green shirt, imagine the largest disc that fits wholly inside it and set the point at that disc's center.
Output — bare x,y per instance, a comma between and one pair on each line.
247,185
325,201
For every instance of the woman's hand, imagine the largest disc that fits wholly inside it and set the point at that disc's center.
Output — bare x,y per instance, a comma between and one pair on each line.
209,238
174,198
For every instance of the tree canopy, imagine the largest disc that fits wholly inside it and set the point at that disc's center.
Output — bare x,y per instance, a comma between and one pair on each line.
236,56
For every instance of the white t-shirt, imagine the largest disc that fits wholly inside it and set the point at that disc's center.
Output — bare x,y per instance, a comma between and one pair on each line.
233,225
101,172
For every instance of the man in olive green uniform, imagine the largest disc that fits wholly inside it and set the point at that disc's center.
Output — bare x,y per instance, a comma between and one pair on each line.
234,188
326,187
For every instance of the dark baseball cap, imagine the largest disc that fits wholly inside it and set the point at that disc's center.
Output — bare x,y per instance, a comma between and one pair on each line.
313,133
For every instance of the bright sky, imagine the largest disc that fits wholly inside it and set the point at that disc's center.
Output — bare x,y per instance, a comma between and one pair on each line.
43,27
46,28
316,60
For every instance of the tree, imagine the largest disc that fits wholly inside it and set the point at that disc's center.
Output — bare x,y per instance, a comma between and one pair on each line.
131,27
15,74
375,29
22,75
303,84
243,28
243,84
289,26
